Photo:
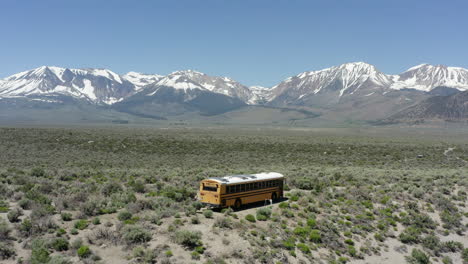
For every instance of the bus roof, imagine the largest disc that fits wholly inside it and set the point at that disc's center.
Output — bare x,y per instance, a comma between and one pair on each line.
247,177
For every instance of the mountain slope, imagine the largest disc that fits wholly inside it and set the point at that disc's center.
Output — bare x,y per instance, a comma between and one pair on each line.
453,107
350,92
157,101
94,85
426,77
326,87
190,79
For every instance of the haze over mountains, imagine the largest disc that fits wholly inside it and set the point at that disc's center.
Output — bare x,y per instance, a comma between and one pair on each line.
357,91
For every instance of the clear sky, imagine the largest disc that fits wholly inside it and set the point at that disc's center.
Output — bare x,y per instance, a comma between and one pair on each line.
257,42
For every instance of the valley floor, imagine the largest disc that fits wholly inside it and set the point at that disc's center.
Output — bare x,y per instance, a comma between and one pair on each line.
128,195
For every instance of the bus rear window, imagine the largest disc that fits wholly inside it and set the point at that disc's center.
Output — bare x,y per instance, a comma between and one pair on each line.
210,188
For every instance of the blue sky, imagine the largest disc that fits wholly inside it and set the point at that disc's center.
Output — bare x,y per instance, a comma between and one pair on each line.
257,42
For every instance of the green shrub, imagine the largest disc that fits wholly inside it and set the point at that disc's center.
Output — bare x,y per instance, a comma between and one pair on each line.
197,205
352,251
77,243
111,188
349,242
5,230
39,252
4,207
417,257
96,221
66,216
301,231
61,232
289,244
7,251
447,260
25,204
81,224
263,214
195,220
168,253
379,237
83,252
124,215
208,213
223,222
312,223
304,248
410,235
25,227
200,249
14,215
195,255
250,218
465,255
60,244
138,186
452,246
59,260
315,236
190,239
135,234
38,172
343,260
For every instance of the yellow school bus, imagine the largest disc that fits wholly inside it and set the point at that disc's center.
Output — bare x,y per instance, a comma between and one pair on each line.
237,190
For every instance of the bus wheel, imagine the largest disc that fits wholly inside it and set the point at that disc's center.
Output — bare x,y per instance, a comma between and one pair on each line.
274,197
237,204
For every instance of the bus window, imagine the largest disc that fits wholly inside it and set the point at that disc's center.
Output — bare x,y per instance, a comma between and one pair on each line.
242,187
255,185
238,188
210,188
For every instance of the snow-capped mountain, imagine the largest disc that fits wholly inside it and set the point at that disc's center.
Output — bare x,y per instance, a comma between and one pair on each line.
426,77
350,82
93,85
103,86
355,78
186,91
141,79
259,94
189,80
359,79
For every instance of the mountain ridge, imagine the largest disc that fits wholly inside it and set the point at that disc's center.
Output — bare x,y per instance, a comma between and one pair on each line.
354,91
107,87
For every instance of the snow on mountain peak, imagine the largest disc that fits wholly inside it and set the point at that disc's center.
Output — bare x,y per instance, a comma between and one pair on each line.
426,77
105,86
350,77
141,79
78,83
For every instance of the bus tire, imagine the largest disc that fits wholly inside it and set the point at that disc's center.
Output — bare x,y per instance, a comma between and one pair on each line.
274,197
237,204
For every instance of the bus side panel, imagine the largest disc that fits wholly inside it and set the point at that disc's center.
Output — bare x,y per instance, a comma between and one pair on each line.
251,198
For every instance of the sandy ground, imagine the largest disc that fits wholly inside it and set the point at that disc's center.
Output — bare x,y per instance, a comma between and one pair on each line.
224,242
